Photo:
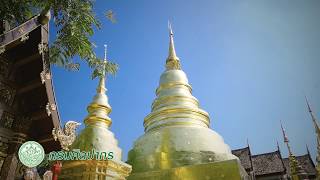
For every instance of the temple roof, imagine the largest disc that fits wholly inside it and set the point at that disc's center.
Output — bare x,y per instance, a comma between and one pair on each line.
245,157
268,163
24,50
306,163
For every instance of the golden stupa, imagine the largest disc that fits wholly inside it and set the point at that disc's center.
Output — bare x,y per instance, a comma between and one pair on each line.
178,143
97,136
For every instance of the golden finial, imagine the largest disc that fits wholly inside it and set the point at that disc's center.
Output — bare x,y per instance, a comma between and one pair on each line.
101,87
173,61
172,51
99,108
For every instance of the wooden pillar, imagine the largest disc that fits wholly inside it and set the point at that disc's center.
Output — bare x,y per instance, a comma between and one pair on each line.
10,163
20,126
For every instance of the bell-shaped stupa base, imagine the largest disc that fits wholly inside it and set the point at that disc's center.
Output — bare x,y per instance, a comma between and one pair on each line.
176,147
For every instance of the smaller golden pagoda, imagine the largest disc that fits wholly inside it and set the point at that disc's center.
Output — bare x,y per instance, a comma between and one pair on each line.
297,172
317,129
97,137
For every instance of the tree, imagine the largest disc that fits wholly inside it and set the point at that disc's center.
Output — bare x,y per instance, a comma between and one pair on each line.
75,22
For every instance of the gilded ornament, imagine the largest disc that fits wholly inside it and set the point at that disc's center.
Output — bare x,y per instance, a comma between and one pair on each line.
50,108
42,47
67,135
24,37
44,76
2,49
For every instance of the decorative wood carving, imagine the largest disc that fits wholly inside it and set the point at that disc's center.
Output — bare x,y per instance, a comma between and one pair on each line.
6,120
24,37
50,108
4,68
7,93
42,47
2,49
22,124
44,76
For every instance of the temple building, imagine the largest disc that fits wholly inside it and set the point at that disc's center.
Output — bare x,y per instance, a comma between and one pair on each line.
27,101
272,165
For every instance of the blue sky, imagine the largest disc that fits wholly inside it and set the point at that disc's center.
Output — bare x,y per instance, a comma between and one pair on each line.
250,63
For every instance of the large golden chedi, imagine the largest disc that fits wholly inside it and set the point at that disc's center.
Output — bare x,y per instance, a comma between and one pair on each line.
178,143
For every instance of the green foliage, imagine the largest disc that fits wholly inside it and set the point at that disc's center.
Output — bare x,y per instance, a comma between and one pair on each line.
100,67
17,12
75,22
110,15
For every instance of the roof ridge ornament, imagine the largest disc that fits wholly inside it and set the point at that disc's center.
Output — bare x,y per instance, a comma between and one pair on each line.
172,62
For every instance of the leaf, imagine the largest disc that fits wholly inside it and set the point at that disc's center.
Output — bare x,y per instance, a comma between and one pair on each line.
111,16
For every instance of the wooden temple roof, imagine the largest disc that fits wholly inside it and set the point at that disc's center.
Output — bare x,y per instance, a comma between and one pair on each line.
26,82
244,155
272,163
268,163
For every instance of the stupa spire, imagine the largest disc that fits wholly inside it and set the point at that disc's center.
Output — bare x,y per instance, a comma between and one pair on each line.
317,129
285,139
99,109
101,87
296,170
173,61
314,119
